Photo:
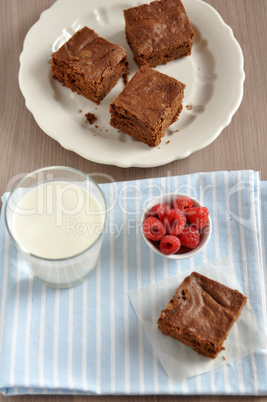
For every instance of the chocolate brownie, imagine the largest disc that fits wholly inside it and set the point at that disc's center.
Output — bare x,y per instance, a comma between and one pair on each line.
148,104
158,32
201,314
89,64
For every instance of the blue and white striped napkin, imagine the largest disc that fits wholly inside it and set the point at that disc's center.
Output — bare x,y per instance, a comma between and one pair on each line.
88,339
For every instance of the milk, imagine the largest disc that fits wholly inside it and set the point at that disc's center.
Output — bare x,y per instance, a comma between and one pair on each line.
59,227
57,220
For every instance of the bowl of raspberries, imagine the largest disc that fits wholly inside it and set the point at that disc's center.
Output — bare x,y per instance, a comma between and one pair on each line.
176,226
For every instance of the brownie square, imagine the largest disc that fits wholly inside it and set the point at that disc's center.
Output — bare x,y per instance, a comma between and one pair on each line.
158,32
89,65
148,104
201,314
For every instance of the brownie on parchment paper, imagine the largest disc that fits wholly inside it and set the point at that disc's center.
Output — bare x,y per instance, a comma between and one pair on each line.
201,314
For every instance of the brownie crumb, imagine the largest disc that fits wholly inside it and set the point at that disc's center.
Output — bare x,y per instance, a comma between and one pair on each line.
125,79
189,107
96,126
168,142
80,111
90,117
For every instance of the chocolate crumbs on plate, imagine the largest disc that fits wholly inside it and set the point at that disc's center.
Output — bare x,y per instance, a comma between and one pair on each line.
90,117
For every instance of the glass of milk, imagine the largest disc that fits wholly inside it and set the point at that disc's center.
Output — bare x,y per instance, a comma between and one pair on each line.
56,217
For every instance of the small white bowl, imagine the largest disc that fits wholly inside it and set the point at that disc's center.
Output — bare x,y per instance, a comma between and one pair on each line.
183,252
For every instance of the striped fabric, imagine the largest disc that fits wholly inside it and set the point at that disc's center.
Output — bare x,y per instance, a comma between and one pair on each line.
88,339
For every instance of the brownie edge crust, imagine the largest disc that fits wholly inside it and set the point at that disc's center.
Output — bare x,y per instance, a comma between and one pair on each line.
201,314
90,65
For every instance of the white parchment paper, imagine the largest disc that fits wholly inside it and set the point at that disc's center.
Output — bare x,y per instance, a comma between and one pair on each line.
180,361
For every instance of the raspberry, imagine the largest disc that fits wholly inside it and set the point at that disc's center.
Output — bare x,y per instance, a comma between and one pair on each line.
182,203
174,222
153,228
160,210
169,244
198,216
190,237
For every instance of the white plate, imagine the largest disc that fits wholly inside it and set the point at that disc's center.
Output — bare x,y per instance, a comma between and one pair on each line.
213,75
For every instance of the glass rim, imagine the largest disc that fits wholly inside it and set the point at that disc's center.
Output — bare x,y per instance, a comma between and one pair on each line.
47,169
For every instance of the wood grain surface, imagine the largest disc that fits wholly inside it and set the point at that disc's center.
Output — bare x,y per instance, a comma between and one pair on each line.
24,147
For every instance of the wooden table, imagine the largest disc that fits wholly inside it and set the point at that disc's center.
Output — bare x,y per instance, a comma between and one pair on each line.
24,147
